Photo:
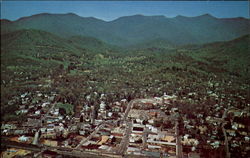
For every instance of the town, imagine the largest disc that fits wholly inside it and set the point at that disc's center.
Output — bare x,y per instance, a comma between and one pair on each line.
149,127
125,79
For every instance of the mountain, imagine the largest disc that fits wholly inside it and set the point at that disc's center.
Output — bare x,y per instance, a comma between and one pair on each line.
64,25
37,48
131,30
153,44
91,44
232,56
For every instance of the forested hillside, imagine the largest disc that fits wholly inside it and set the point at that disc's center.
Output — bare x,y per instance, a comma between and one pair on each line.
130,30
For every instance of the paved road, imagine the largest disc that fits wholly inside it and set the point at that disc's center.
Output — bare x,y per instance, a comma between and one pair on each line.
50,109
97,129
59,150
125,140
122,148
144,137
224,131
179,153
130,104
91,135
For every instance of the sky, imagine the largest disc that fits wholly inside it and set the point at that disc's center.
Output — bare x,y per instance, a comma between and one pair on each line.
110,10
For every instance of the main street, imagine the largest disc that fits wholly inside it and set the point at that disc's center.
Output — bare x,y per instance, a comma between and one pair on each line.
179,153
224,131
91,135
125,140
97,129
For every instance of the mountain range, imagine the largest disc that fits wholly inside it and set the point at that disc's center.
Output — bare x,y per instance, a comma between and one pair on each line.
136,29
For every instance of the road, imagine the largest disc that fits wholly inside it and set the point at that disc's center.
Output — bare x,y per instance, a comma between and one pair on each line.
102,125
179,153
224,131
122,148
125,140
91,135
47,113
123,145
97,129
144,137
130,105
67,152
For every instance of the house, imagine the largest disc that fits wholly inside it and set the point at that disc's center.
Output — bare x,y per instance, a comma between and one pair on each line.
151,121
132,149
193,155
104,132
24,111
152,128
202,129
22,107
138,128
23,138
118,132
247,138
82,132
168,139
8,126
215,144
231,132
104,147
154,146
50,143
102,106
49,130
190,141
45,104
139,121
110,114
33,123
19,132
153,142
104,139
43,130
153,114
24,95
38,112
51,135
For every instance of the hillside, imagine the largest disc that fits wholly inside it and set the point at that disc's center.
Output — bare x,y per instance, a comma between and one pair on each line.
91,44
136,29
33,51
228,58
232,56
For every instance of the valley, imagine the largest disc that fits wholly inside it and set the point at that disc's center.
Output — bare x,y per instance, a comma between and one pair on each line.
77,91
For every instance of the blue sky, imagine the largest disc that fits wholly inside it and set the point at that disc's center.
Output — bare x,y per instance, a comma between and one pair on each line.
110,10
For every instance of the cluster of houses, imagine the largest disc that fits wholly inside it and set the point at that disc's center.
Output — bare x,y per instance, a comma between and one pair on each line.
153,131
205,129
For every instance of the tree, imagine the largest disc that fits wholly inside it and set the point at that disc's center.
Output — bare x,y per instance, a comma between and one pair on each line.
81,118
62,111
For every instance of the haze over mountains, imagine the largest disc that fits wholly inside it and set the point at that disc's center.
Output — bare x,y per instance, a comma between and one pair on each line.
137,29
